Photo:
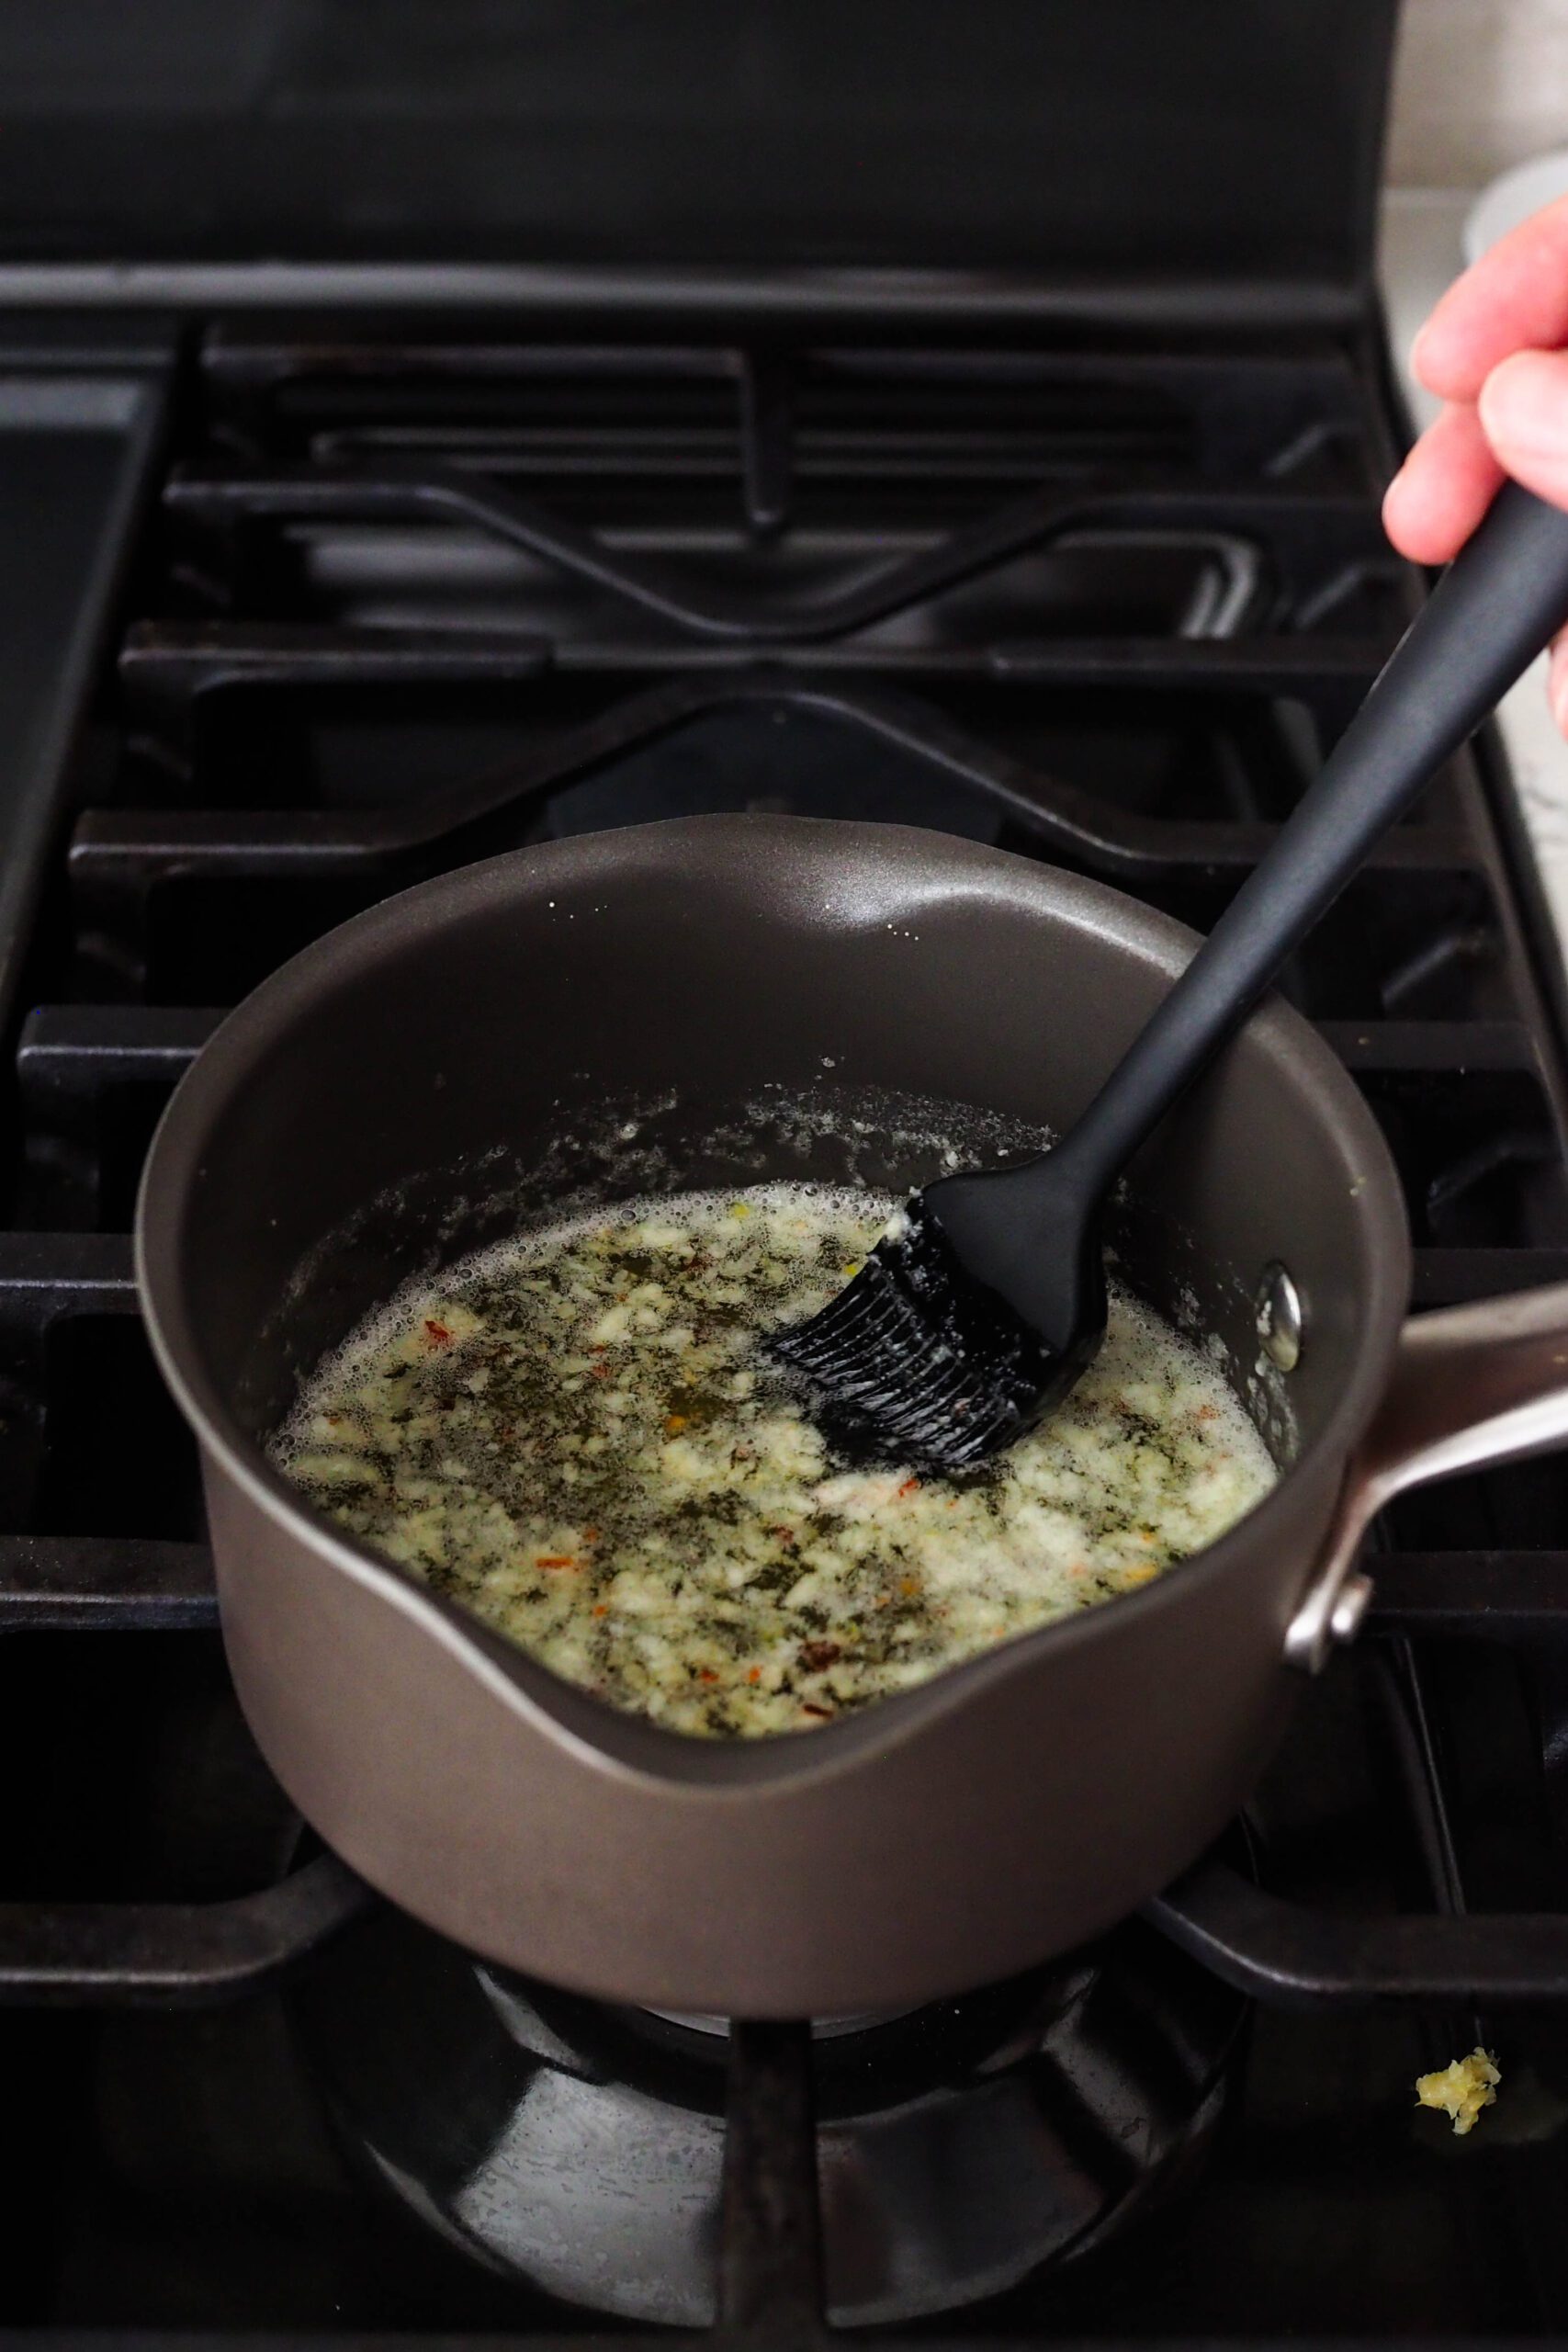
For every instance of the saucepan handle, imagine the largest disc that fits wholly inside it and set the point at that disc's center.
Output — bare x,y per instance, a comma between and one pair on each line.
1471,1386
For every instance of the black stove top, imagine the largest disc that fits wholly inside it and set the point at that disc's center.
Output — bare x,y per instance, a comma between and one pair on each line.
304,610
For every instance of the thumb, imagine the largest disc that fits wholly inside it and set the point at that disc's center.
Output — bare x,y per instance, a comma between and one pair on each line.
1523,415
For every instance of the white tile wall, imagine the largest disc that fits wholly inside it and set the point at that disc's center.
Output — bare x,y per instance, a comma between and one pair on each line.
1478,84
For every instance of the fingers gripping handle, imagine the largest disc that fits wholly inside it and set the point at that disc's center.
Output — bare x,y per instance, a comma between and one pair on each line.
1471,1386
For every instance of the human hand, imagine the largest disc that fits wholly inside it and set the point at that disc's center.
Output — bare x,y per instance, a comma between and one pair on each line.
1491,352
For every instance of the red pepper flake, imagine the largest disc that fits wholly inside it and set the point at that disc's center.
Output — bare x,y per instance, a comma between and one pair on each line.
706,1674
908,1487
599,1371
754,1674
815,1656
591,1535
825,1713
436,1333
601,1609
556,1560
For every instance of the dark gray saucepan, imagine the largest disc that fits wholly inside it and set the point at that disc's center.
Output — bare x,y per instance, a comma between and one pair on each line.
380,1095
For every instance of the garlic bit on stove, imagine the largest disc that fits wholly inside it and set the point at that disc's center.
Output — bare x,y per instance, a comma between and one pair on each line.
1462,2089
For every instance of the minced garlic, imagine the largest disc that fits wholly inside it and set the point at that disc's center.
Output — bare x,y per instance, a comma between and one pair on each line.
575,1435
1461,2090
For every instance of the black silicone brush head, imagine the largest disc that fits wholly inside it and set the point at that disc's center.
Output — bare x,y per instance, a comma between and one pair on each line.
916,1360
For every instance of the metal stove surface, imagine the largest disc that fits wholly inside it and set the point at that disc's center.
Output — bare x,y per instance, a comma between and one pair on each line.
308,615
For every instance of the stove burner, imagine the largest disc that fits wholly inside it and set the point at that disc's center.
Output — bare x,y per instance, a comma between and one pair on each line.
961,2146
823,2028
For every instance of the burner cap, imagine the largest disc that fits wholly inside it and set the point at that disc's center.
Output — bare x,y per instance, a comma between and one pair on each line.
961,2146
823,2028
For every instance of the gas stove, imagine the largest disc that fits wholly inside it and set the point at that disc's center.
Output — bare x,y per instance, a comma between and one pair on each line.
427,432
318,606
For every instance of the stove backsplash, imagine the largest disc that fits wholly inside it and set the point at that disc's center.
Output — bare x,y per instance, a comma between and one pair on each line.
1228,145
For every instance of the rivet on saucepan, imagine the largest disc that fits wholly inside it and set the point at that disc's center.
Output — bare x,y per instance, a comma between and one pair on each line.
1350,1604
1279,1316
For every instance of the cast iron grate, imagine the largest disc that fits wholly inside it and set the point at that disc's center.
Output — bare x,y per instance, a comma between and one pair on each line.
404,603
1265,463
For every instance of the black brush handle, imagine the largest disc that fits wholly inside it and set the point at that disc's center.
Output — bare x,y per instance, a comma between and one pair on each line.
1501,600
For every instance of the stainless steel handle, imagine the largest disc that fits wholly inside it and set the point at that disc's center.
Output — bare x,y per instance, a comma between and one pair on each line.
1471,1386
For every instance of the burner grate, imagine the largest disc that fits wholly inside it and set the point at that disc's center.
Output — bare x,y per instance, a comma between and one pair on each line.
389,603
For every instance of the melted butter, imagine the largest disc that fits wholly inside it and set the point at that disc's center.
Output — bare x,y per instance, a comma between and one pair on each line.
573,1436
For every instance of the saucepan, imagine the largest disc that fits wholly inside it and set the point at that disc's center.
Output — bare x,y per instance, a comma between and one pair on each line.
723,999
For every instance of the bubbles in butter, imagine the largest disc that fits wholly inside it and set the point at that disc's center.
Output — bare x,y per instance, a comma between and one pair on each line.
576,1436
